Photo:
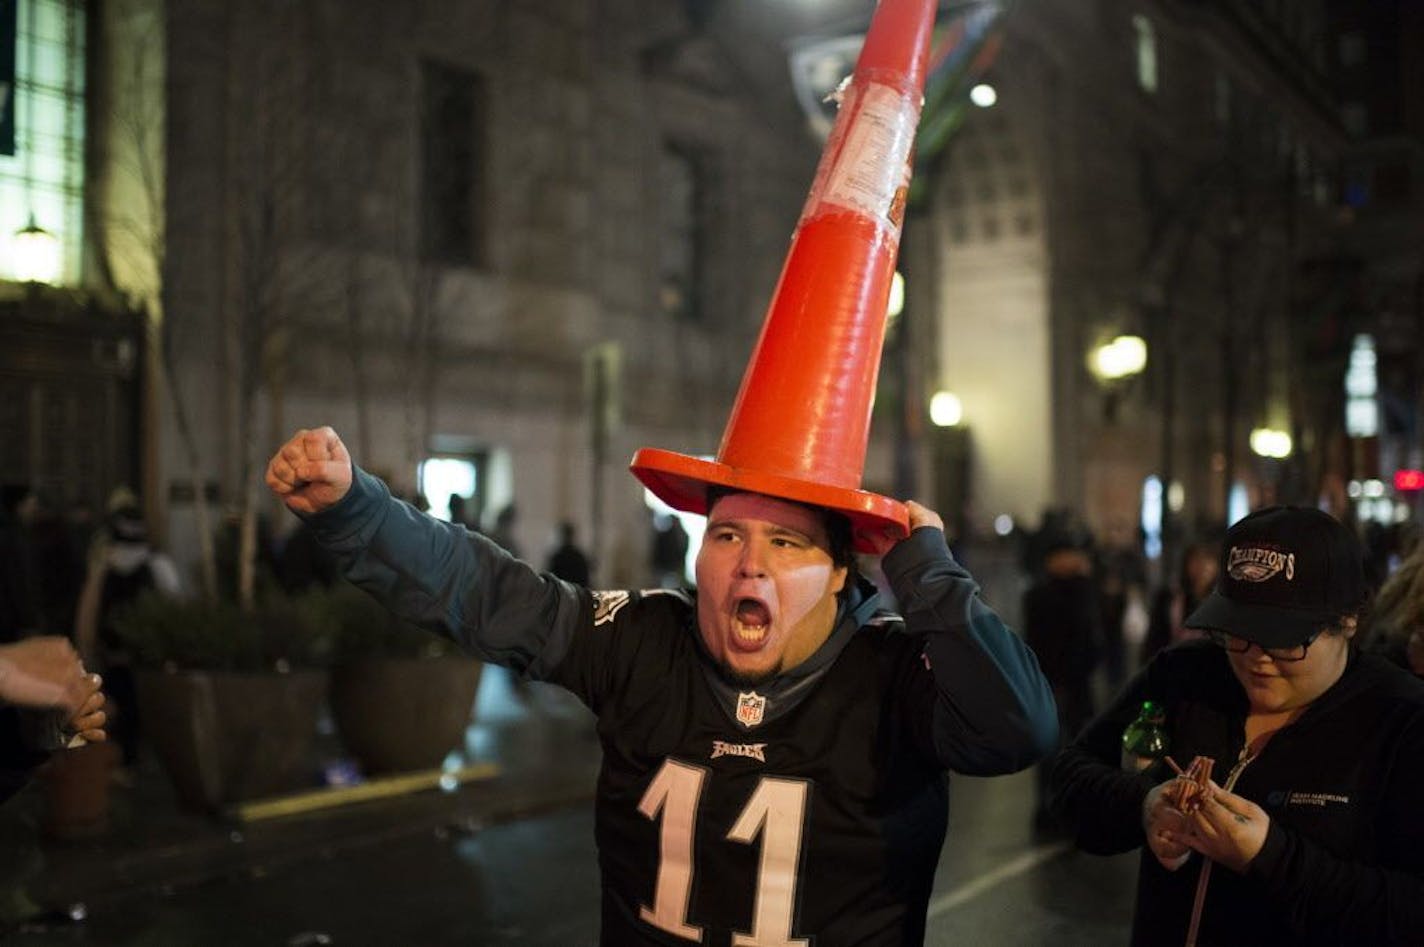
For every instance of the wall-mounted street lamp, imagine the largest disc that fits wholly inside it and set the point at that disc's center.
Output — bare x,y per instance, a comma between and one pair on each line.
36,254
983,95
1112,364
1270,442
946,410
1119,358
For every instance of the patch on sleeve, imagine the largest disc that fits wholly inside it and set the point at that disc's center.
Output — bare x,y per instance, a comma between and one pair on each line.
606,606
681,595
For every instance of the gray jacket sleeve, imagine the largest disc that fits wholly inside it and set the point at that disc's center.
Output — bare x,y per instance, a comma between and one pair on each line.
993,709
450,580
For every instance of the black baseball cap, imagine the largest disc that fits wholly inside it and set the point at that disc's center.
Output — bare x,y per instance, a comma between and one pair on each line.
1286,573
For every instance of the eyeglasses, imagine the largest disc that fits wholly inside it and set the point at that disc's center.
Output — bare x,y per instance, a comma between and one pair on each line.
1240,646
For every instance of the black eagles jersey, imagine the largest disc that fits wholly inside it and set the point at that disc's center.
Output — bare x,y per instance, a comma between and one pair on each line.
723,815
809,810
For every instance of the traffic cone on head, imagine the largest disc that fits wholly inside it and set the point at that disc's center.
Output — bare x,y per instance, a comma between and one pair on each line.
801,422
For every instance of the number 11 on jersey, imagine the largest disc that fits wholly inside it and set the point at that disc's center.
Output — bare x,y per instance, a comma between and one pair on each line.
776,811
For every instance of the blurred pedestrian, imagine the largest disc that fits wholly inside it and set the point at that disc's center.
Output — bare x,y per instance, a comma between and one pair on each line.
1120,574
667,553
123,565
1056,524
1394,627
1307,827
55,562
502,532
1061,625
568,561
459,507
1172,604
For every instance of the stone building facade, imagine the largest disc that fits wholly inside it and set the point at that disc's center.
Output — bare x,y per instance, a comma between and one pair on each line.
539,235
626,188
1161,169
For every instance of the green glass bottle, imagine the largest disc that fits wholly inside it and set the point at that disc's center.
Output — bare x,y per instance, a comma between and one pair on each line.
1144,742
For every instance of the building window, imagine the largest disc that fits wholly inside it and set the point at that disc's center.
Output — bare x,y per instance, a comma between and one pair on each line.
452,116
1146,53
682,202
42,132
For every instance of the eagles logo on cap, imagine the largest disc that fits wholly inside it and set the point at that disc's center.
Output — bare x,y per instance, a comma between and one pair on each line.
1258,563
1287,572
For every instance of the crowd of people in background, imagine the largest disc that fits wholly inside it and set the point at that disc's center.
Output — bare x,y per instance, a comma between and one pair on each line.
1095,615
1134,616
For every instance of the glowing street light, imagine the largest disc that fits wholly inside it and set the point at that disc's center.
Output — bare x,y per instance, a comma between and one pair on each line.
983,95
946,410
36,254
1121,358
1269,442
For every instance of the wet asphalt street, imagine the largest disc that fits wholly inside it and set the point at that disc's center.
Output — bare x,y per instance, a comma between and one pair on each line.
533,882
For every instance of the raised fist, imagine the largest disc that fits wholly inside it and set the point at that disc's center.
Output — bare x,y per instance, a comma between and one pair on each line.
310,472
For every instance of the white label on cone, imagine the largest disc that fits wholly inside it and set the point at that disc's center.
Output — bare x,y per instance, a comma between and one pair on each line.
870,172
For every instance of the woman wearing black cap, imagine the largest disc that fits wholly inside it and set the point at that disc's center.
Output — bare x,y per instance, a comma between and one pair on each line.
1311,831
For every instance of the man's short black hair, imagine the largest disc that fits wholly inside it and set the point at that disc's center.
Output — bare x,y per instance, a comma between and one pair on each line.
839,534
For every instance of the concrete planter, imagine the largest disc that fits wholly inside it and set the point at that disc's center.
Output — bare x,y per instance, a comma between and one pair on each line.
232,736
76,791
401,714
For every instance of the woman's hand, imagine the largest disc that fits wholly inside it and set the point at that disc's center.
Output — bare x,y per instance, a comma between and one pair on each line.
1228,828
1166,827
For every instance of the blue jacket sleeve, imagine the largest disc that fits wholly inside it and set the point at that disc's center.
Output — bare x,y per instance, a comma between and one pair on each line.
450,580
993,709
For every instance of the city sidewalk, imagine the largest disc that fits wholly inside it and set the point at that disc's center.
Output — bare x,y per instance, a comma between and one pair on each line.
537,742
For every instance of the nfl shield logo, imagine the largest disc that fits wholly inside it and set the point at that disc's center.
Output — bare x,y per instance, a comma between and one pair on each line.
750,708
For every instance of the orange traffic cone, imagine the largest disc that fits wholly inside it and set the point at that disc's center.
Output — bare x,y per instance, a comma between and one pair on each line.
801,422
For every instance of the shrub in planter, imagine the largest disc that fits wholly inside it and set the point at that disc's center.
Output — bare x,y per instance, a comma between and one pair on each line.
229,699
402,698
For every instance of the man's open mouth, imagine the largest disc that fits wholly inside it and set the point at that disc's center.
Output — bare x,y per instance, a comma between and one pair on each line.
752,621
